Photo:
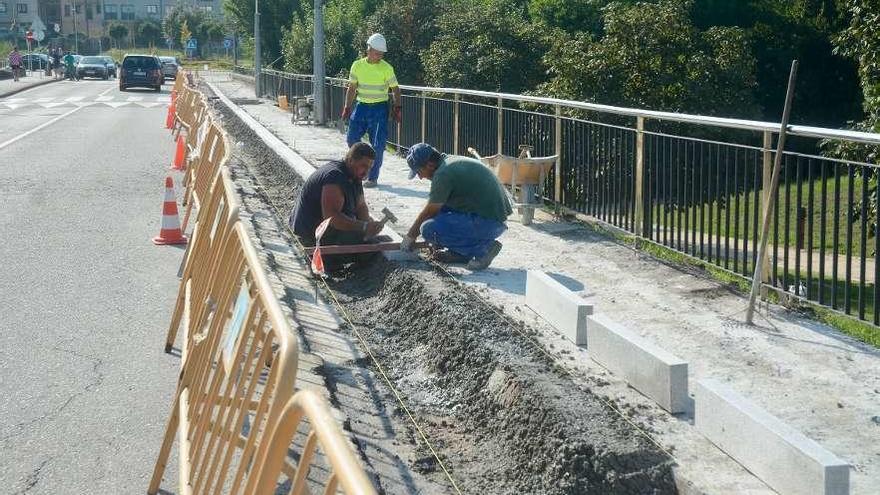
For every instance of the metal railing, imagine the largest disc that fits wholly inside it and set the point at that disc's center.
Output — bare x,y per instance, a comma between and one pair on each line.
692,183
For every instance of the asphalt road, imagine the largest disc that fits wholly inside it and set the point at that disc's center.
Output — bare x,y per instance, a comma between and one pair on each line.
85,297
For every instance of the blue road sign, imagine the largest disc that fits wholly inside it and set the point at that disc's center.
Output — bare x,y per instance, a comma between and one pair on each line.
227,43
191,44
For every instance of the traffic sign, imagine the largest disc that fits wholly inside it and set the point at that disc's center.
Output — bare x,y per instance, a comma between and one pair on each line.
30,36
227,43
57,27
191,44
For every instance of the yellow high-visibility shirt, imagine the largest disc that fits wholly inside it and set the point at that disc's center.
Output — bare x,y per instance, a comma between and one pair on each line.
373,80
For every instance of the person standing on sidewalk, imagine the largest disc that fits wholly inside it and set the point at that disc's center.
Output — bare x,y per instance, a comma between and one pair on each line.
15,63
369,80
466,211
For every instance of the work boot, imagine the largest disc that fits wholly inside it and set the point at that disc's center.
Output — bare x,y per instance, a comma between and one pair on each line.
449,257
484,261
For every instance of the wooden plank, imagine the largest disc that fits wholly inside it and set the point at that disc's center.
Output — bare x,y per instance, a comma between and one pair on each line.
362,248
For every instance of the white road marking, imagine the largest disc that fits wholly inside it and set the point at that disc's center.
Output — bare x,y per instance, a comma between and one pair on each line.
43,100
135,98
44,124
75,98
104,98
14,100
115,104
53,105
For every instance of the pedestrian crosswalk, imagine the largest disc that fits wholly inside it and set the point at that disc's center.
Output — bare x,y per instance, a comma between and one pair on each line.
110,101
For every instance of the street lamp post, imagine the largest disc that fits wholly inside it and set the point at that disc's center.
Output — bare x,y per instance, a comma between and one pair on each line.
318,62
257,61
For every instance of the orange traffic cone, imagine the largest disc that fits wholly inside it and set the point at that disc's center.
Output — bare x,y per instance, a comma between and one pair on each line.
170,232
169,119
179,155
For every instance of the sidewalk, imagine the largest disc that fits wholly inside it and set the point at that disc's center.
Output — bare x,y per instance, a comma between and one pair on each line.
807,374
9,87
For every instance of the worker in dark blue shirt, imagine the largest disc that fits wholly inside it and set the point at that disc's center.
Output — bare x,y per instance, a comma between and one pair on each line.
336,191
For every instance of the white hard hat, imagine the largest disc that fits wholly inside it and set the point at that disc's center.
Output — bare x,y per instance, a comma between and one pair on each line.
377,42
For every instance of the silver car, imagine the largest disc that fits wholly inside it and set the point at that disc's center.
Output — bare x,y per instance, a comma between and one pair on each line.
169,67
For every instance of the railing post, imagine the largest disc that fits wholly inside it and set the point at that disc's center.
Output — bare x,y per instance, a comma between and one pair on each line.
557,189
500,125
455,116
767,176
400,127
424,115
640,224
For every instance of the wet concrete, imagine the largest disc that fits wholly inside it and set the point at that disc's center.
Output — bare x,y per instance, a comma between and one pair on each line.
503,417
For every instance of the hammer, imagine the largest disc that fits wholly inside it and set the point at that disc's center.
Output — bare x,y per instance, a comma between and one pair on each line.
387,215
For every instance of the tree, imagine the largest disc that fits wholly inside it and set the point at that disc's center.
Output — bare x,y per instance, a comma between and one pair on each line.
651,56
341,21
860,40
488,45
275,18
118,31
185,33
409,27
150,32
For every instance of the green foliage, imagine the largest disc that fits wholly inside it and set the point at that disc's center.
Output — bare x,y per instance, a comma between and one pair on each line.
341,21
150,33
651,56
569,15
185,33
488,45
409,27
118,31
275,18
860,40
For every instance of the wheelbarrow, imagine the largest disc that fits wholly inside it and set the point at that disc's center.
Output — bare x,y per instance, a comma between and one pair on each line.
523,178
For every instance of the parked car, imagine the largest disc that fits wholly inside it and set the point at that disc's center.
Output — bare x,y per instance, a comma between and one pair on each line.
143,71
92,67
111,65
169,67
35,61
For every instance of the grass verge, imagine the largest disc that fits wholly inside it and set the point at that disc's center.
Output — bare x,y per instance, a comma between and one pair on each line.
860,330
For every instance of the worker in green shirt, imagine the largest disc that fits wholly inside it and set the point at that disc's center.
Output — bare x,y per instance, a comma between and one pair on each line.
369,80
466,211
69,66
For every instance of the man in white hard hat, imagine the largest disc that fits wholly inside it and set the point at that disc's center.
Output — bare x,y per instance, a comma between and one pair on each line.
369,80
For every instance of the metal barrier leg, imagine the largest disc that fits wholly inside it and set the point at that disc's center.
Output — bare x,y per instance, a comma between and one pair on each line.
165,451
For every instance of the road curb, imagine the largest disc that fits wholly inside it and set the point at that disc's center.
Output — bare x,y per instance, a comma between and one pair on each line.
25,88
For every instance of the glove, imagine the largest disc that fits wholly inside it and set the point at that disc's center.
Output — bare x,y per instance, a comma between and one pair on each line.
346,112
396,114
406,244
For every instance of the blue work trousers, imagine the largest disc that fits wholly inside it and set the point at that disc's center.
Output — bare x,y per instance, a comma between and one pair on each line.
467,234
371,119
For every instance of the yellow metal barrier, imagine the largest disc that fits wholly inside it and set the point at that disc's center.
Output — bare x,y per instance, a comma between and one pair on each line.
216,220
305,409
237,378
233,412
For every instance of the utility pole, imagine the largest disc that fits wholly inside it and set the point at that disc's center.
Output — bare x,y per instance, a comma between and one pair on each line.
318,62
75,34
257,62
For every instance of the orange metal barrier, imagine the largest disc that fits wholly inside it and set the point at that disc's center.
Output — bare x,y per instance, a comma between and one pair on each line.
305,411
233,411
240,371
216,220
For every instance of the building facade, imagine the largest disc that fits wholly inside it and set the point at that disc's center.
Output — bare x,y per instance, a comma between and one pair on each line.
88,17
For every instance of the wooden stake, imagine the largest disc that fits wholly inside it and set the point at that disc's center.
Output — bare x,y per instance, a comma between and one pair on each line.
774,185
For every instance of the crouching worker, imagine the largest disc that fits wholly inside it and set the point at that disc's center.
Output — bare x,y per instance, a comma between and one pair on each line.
466,209
336,191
